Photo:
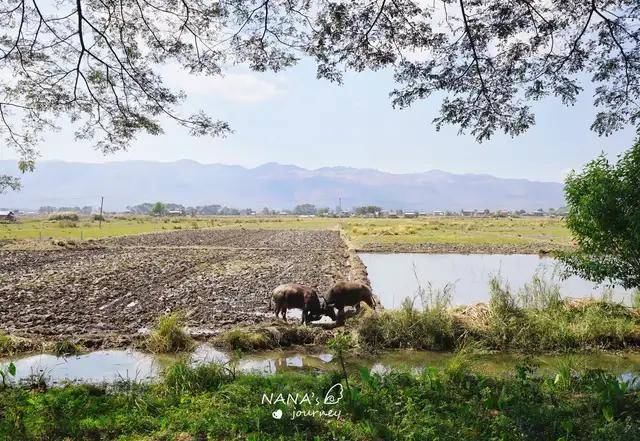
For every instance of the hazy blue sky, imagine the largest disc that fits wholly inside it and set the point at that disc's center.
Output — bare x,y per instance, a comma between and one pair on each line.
293,118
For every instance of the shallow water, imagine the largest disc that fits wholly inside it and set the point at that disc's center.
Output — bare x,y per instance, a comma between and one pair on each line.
114,365
397,276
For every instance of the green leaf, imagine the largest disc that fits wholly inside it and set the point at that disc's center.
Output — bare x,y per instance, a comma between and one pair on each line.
566,425
607,411
12,369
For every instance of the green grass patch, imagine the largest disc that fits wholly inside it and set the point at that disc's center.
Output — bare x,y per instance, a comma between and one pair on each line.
11,345
65,347
271,336
7,344
169,335
210,402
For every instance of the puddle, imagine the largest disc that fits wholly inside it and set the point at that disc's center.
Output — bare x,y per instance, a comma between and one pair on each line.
96,367
113,365
393,279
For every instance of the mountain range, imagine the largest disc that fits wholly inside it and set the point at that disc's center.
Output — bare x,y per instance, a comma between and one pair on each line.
278,186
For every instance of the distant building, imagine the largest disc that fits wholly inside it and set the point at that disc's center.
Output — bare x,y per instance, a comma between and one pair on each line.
8,216
410,214
466,213
175,213
438,213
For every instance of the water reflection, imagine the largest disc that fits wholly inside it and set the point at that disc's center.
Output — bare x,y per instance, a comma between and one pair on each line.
393,276
113,365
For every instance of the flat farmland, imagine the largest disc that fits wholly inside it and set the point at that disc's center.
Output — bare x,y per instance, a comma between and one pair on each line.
423,234
119,286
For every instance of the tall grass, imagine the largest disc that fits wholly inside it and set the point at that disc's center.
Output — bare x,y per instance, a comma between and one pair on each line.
540,293
429,327
532,320
169,335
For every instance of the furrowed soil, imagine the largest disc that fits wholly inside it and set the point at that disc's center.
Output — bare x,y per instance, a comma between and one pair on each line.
116,288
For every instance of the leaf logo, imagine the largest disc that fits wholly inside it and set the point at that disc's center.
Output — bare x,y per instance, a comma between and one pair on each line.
334,395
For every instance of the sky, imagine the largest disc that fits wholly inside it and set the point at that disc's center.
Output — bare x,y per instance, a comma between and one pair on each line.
293,118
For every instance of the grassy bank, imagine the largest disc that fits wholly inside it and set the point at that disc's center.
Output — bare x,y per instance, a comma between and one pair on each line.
543,233
214,402
536,319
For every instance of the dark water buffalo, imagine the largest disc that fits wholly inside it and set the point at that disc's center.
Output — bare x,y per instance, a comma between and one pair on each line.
347,293
293,295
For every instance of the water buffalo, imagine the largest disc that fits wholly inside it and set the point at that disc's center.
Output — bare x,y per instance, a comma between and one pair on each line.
347,293
293,295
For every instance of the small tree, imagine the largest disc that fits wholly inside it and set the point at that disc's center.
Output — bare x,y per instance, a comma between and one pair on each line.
158,209
305,209
603,204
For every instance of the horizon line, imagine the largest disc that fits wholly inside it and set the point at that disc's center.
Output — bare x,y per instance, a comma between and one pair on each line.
286,165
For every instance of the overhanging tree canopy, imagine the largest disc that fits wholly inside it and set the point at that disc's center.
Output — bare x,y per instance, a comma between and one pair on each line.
96,61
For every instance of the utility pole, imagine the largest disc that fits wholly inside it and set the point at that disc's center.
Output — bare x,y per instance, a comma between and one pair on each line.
101,205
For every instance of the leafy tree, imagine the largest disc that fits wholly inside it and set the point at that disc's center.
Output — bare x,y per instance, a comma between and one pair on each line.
158,209
97,62
305,209
367,209
603,203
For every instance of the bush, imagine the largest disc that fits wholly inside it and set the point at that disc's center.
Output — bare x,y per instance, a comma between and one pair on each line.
169,335
67,224
98,217
64,216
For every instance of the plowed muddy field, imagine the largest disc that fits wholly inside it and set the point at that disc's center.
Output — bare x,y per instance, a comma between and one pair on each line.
118,287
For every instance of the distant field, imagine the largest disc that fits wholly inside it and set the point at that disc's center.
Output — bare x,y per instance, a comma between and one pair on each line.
546,233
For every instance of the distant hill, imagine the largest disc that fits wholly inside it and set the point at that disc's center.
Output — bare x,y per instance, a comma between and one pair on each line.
277,186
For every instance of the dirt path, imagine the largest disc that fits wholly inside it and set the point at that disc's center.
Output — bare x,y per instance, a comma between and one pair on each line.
218,278
445,248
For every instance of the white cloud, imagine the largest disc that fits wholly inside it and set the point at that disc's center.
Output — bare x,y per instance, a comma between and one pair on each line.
243,87
234,86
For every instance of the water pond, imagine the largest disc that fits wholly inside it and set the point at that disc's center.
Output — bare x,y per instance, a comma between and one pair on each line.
397,276
114,365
